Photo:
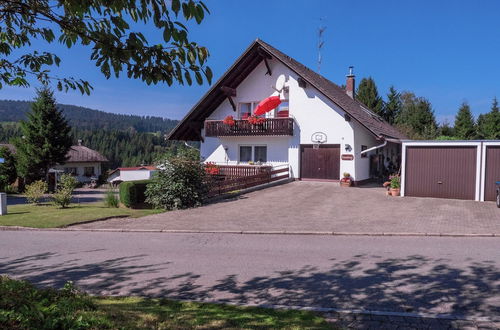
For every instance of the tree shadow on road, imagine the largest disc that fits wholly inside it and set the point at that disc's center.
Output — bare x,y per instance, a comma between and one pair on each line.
415,284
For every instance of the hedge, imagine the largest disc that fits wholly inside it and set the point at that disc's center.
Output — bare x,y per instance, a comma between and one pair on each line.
132,193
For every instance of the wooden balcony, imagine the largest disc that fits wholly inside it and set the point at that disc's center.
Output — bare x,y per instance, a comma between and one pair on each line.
271,127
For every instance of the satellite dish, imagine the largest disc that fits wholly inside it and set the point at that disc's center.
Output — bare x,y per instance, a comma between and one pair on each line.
280,83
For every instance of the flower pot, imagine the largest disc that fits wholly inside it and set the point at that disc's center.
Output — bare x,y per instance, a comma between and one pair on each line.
345,183
395,191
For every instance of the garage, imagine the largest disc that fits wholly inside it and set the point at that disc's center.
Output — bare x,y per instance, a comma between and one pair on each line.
492,171
321,163
441,171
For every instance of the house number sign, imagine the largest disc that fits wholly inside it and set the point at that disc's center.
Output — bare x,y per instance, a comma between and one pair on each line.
347,157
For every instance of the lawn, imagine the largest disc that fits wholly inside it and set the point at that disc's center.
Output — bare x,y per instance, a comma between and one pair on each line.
50,216
23,306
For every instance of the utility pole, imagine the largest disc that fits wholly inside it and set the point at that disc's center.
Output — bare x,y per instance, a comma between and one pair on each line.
321,42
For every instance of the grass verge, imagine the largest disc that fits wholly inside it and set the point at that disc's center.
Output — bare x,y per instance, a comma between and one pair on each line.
50,216
22,306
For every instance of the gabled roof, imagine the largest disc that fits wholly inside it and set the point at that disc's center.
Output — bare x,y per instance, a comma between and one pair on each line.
83,154
189,128
75,154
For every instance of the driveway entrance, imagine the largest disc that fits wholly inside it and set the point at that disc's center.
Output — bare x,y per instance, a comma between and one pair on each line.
307,206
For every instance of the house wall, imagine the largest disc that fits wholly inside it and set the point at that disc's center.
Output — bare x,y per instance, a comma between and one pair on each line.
131,175
80,168
312,113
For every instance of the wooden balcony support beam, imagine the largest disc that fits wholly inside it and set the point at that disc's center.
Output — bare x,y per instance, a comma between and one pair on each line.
266,56
230,93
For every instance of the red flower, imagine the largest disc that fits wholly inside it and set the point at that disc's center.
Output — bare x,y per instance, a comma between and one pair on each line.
229,120
211,168
254,120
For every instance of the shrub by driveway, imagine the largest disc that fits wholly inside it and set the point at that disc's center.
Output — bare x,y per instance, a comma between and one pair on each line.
324,207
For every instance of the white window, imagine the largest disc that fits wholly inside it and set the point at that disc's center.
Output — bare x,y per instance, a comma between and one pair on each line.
282,111
247,108
256,154
260,154
245,154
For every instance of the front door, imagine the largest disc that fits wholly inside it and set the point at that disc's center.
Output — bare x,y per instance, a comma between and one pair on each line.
322,163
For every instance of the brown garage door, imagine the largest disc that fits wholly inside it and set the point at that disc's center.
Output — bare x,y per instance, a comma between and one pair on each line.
322,163
444,172
492,173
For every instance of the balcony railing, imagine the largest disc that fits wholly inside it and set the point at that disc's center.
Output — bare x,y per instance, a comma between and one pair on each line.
272,126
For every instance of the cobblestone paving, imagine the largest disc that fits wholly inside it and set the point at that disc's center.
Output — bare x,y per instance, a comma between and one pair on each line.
324,207
368,322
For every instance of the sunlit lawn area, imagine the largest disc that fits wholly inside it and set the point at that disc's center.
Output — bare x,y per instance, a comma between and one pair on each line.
50,216
24,306
141,313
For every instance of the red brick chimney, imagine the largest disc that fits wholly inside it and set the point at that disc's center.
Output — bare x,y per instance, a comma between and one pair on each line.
350,88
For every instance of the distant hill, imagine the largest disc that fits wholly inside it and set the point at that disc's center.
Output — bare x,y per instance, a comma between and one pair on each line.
126,140
90,119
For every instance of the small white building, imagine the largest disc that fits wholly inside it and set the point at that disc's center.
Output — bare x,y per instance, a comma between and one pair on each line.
319,130
131,174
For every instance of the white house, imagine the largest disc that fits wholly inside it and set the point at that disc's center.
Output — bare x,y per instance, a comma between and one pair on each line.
319,130
83,163
131,174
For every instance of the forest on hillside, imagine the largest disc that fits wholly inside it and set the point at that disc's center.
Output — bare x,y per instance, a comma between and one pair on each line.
124,139
90,119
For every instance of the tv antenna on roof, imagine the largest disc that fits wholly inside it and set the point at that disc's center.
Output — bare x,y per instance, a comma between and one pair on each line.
321,42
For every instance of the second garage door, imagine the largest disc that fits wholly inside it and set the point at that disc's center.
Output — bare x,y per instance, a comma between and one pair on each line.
492,172
441,171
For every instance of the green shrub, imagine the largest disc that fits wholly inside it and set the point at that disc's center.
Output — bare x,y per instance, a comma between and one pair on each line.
22,306
68,182
62,197
110,199
34,192
179,184
64,192
132,193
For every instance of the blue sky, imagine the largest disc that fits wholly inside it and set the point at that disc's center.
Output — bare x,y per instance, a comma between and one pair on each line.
446,51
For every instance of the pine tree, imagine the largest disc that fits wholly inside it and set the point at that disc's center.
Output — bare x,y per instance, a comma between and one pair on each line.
488,125
416,118
7,169
368,95
46,138
393,106
464,123
446,130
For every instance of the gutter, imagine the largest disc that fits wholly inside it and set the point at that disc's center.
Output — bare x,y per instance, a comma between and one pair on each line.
374,148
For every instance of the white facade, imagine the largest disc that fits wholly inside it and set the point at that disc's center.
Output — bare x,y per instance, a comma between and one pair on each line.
83,171
312,112
121,175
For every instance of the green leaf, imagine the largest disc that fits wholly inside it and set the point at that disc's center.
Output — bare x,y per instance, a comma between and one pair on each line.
167,34
176,5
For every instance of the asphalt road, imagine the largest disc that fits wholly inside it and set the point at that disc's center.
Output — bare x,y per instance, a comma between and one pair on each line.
458,276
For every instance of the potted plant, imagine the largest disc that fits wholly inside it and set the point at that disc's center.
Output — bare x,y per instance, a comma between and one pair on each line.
395,185
229,120
254,120
346,181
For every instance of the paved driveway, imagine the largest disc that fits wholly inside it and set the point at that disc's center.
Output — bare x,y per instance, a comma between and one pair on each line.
324,207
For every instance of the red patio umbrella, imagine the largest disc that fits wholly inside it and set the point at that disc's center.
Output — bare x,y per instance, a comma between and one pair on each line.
267,105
